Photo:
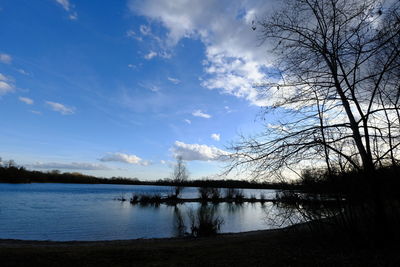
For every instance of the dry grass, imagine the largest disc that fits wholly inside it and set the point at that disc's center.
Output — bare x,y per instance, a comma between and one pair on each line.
262,248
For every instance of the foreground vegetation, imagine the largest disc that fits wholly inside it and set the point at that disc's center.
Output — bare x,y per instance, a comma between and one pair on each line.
261,248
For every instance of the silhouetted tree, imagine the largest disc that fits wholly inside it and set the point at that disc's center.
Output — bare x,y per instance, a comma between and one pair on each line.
179,176
338,87
338,64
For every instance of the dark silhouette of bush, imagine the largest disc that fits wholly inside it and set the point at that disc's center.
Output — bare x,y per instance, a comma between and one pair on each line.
205,193
204,222
134,199
121,198
363,205
234,194
239,196
144,200
263,198
215,194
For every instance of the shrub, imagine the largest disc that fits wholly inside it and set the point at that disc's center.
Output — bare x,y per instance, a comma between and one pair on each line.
205,193
134,199
230,193
262,198
239,196
204,222
234,194
287,196
121,197
215,194
146,199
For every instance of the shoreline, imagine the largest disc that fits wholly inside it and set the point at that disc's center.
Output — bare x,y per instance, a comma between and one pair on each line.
151,239
21,242
289,246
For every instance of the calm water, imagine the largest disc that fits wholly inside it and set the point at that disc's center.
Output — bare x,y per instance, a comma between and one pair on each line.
89,212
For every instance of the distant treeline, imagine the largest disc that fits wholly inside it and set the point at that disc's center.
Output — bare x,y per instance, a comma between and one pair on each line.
14,174
11,173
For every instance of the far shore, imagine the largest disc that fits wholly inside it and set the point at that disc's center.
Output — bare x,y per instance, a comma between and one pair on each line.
294,246
243,184
20,175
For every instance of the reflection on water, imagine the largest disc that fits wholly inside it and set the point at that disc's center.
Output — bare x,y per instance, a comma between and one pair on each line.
234,207
89,212
280,215
205,221
179,222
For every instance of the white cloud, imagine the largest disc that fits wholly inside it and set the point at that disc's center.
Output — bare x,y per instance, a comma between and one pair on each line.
155,42
132,34
145,30
61,108
73,16
125,158
228,109
26,100
154,88
150,86
69,166
150,55
67,6
6,85
24,72
188,121
216,136
192,152
278,127
201,114
5,58
134,67
36,112
165,54
173,80
234,59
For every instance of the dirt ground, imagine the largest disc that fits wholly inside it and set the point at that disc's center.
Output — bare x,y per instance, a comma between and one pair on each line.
285,247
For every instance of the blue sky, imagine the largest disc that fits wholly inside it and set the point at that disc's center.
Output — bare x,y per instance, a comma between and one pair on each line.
121,88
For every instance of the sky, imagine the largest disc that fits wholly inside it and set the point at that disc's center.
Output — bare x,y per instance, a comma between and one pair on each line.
122,88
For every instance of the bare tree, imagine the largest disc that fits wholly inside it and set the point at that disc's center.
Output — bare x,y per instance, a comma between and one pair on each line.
338,87
179,176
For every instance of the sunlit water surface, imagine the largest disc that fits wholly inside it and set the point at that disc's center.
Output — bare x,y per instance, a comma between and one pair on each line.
66,212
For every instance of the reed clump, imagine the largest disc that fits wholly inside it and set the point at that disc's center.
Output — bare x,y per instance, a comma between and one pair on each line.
204,222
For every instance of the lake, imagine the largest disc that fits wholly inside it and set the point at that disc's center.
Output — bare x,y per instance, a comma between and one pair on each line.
65,212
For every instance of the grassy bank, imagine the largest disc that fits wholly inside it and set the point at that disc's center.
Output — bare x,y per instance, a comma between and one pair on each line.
294,246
